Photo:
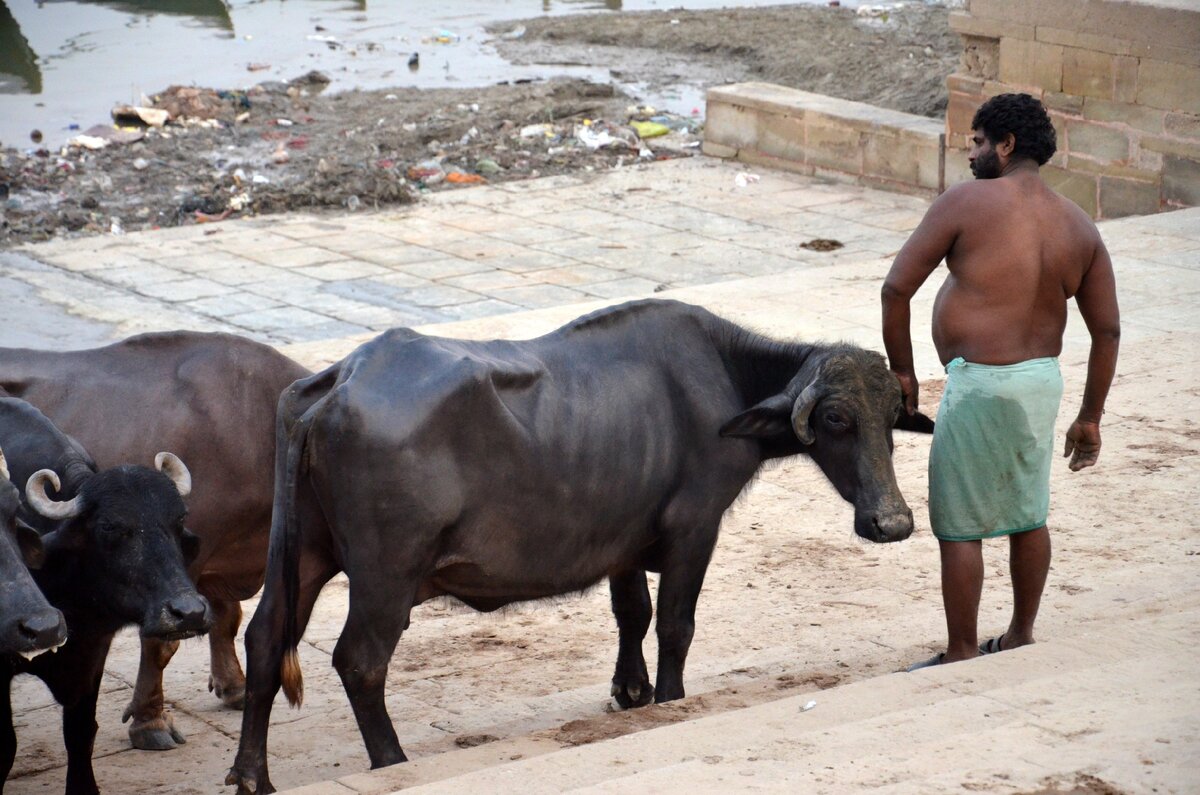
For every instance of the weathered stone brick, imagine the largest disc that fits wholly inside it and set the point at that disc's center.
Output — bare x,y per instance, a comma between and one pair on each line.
731,125
1182,125
1079,188
836,147
1087,73
957,167
1101,169
1146,119
1168,86
1121,197
1125,77
1181,180
959,113
1098,141
1063,103
1031,63
1147,160
713,149
1171,146
980,57
781,136
891,157
1086,41
966,24
1189,56
964,83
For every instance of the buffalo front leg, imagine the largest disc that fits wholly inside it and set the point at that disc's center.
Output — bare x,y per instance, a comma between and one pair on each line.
678,590
8,735
226,679
373,627
631,606
152,728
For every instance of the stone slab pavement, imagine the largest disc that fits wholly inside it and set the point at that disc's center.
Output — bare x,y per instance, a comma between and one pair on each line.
1116,698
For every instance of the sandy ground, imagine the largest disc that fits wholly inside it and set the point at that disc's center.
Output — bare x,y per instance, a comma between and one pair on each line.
291,146
792,599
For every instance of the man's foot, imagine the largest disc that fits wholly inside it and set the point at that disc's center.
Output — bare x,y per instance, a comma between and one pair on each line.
932,661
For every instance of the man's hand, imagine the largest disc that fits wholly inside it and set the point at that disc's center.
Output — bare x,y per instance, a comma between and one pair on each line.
909,387
1083,439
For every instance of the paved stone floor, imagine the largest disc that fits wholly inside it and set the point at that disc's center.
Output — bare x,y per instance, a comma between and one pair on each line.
467,254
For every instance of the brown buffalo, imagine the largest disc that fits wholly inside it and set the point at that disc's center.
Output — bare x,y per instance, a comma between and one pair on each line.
209,398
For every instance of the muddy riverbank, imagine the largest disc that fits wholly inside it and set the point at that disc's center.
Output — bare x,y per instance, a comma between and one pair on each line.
294,145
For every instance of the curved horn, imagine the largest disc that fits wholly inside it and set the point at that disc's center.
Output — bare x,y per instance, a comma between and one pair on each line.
802,408
35,495
170,465
4,467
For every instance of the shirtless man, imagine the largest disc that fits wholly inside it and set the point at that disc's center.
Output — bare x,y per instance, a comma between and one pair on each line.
1016,252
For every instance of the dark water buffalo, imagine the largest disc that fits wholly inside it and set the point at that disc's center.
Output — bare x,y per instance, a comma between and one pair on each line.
210,399
28,623
501,471
116,552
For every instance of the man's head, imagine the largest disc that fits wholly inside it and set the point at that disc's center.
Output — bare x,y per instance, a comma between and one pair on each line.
1007,128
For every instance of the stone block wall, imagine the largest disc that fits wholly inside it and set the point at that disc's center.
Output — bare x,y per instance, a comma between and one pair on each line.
765,124
1121,80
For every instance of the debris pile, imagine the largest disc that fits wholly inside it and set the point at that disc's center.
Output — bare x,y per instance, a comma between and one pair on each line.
197,155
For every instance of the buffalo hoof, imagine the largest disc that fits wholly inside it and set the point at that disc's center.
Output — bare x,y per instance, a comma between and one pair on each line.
157,734
231,695
633,694
248,784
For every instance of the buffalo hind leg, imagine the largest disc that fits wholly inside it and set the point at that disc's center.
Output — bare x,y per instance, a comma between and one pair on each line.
264,654
631,606
152,728
376,619
226,679
678,590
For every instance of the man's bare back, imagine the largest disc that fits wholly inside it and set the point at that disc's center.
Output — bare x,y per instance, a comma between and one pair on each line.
1020,252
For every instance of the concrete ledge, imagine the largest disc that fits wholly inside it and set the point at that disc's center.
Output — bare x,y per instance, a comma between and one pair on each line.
761,123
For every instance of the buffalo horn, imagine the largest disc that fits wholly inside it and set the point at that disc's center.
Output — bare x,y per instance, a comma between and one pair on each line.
170,465
3,467
35,495
803,408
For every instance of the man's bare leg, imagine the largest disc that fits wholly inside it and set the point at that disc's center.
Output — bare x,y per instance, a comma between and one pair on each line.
962,585
1028,564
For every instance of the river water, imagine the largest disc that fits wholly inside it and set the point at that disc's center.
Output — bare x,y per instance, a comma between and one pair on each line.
68,62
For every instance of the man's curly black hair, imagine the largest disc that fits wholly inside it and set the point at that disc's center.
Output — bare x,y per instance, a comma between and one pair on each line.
1024,117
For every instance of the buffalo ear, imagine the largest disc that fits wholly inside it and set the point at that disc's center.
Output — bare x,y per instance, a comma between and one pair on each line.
772,417
30,543
189,543
915,422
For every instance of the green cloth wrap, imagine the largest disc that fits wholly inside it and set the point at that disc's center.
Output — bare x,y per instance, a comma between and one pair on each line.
989,467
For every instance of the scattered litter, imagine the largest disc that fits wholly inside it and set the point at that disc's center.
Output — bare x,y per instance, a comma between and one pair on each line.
462,178
487,166
132,114
745,178
141,163
257,67
353,203
88,142
283,122
535,130
649,129
208,218
259,179
808,706
36,136
115,227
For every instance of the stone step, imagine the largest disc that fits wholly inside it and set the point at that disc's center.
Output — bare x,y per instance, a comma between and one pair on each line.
1051,706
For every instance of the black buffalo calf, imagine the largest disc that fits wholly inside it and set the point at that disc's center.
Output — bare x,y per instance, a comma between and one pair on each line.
115,553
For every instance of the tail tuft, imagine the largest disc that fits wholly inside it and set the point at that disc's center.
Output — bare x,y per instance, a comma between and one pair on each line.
293,681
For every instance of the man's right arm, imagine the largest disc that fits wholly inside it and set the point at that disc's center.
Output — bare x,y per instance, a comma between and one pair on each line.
1097,301
921,254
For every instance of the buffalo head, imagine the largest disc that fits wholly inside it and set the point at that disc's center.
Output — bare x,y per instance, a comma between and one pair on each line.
127,526
28,623
840,409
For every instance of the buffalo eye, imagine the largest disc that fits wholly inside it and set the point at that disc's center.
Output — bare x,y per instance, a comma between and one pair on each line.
836,421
